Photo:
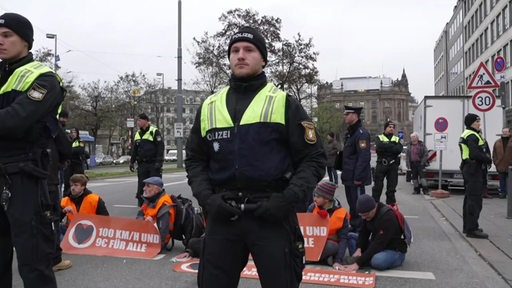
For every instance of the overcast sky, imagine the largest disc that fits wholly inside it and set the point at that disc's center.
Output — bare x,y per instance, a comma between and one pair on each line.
102,39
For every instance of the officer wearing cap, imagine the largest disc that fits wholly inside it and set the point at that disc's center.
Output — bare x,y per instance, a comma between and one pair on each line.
356,161
30,95
252,145
388,149
475,156
148,152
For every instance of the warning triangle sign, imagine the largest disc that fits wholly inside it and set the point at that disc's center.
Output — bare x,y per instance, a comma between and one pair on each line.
483,79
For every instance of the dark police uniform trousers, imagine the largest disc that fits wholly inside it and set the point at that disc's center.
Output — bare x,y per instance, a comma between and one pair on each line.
473,184
230,242
144,171
29,224
390,172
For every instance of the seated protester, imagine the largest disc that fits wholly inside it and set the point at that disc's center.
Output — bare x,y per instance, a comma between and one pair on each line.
380,242
81,200
157,208
338,235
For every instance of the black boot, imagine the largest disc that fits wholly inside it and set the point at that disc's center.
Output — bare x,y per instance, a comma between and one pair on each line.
416,190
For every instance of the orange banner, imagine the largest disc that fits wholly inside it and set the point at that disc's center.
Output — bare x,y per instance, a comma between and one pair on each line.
326,276
314,229
111,236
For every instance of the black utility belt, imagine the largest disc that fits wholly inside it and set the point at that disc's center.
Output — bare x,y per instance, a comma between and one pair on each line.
387,162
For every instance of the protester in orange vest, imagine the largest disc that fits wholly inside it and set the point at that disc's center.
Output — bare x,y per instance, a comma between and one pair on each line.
325,205
81,200
157,208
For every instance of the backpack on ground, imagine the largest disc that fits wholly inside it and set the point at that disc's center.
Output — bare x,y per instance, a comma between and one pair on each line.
404,225
188,223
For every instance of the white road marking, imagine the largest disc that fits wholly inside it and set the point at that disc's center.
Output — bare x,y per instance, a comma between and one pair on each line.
405,274
125,206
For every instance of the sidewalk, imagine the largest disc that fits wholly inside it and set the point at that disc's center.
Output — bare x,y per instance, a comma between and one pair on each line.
497,250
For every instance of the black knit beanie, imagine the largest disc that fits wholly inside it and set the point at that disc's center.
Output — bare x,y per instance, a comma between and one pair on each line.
389,123
251,35
470,119
19,25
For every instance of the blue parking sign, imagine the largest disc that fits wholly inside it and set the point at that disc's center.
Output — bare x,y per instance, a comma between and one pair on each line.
401,135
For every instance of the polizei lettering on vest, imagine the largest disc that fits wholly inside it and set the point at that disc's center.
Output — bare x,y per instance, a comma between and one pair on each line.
218,135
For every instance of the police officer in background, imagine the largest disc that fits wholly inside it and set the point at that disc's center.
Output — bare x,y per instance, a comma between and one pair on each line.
253,158
388,148
75,165
148,152
356,161
475,158
30,95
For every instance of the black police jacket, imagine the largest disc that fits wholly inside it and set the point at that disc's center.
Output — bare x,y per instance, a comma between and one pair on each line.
307,160
356,156
26,122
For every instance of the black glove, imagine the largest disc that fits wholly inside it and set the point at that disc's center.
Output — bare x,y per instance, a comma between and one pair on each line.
132,168
276,208
218,207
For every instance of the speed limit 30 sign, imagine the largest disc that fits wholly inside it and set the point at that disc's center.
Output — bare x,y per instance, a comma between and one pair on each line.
483,100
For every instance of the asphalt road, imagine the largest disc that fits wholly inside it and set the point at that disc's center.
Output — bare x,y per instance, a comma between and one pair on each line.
439,256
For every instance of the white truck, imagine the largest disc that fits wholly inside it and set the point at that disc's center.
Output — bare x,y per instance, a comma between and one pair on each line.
439,120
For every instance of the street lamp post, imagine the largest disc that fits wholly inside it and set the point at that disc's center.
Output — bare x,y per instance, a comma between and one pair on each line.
160,74
54,37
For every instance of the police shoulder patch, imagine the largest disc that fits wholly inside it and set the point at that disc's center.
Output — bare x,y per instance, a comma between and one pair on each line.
36,92
362,144
309,132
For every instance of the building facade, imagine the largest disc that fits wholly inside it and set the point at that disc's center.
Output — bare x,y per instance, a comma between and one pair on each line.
382,99
449,56
484,27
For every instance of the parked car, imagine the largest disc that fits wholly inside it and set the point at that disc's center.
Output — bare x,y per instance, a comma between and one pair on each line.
104,160
122,160
172,156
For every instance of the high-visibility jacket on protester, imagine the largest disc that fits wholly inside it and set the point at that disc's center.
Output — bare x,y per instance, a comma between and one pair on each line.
154,210
336,221
464,149
255,150
89,205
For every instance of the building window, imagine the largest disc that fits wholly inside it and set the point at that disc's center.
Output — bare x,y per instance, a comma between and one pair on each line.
374,116
493,27
498,25
505,18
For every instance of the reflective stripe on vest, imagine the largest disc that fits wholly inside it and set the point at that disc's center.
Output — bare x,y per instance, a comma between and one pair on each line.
89,205
267,106
464,147
384,138
76,143
23,77
148,135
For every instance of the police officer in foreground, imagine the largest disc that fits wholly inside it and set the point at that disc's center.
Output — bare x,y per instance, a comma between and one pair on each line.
388,149
253,158
148,152
30,95
356,161
475,158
